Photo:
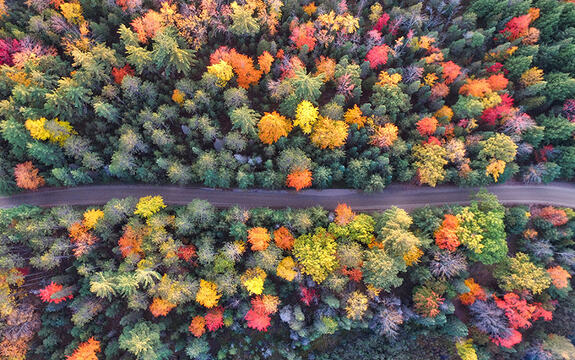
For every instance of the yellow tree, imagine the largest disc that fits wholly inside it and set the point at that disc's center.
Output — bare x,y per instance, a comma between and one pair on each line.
91,218
223,71
355,116
272,127
498,150
356,305
149,205
328,133
306,116
384,136
253,280
429,161
208,294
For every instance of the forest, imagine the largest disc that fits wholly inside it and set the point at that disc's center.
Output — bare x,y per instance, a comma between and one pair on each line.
271,94
135,279
291,95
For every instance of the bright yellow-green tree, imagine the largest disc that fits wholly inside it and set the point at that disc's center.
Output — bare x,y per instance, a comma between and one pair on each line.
149,205
316,254
429,162
306,116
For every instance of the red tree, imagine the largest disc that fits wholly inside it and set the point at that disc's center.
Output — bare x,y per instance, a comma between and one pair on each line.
54,293
215,319
377,56
427,126
119,73
258,320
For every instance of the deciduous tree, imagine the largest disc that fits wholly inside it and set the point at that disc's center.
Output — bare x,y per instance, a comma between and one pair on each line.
27,177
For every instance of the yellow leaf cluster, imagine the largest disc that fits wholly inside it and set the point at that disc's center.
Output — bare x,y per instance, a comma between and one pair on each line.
286,268
91,218
495,168
490,100
56,131
328,133
253,280
444,114
384,136
310,8
531,77
272,126
386,79
424,42
355,116
465,350
306,116
72,12
223,71
178,96
149,205
430,79
208,294
347,23
412,256
356,305
429,161
36,129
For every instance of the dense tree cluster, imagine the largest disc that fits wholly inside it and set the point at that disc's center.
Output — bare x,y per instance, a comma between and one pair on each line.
348,93
134,279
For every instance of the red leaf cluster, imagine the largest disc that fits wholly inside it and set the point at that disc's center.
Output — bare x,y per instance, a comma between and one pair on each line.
520,313
119,73
257,320
308,296
242,64
215,319
555,216
187,253
427,126
54,293
7,48
378,55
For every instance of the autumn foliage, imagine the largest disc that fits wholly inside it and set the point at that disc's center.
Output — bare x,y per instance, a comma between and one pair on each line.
377,55
161,307
259,237
272,126
242,64
130,242
198,326
27,176
475,292
446,235
299,179
86,350
283,238
54,293
214,319
427,126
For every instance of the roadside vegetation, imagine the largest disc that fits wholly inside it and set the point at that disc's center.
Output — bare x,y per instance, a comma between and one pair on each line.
135,279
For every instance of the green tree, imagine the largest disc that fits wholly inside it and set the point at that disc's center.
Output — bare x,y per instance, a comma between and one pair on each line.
245,119
143,341
243,23
381,270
